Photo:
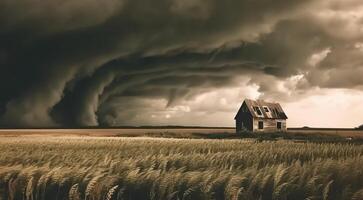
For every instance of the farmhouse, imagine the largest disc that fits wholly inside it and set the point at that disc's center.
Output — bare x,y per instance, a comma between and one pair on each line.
260,116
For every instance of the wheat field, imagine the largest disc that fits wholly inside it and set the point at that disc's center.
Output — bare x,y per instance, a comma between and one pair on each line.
93,168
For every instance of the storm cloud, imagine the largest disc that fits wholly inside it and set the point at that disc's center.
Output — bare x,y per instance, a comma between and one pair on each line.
90,63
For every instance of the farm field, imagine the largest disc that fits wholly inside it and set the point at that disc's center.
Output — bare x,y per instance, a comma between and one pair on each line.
333,132
46,167
166,132
124,132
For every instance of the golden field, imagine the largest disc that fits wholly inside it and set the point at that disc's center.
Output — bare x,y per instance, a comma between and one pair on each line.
35,166
164,132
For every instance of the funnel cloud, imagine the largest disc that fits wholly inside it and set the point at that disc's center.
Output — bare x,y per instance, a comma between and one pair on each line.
192,62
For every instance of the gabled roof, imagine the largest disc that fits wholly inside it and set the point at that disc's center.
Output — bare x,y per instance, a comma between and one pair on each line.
263,109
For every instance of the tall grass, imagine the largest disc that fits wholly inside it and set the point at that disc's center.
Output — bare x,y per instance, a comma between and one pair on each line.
142,168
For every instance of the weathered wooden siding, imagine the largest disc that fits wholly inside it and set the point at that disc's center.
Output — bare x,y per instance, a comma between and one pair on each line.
269,125
244,123
244,119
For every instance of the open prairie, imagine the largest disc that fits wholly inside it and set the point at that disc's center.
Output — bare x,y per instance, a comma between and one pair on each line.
124,132
75,167
355,133
168,132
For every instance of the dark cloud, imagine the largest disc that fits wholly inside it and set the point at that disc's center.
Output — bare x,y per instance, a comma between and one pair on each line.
77,63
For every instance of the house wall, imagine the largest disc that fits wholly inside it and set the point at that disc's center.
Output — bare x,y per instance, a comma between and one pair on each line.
245,122
269,125
244,119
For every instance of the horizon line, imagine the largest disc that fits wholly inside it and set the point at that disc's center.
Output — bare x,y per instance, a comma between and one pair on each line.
168,127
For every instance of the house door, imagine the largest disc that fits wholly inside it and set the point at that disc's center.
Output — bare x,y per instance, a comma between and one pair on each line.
278,125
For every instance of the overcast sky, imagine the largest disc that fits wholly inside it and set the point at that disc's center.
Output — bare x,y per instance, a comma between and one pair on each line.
179,62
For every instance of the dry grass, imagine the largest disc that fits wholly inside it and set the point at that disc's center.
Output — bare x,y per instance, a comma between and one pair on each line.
124,132
343,133
154,168
162,132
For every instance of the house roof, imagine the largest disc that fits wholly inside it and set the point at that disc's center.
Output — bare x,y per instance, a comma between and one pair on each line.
263,109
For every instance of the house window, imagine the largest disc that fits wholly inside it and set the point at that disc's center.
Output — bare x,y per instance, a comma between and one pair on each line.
279,125
260,124
257,110
266,109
